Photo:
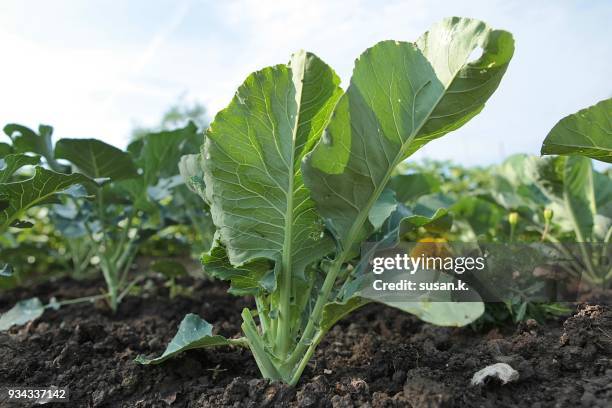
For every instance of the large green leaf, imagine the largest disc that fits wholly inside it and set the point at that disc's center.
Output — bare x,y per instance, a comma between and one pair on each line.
25,140
13,162
193,332
400,97
587,133
44,187
252,172
96,159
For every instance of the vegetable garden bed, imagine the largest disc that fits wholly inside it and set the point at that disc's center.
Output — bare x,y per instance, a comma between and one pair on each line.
289,199
378,356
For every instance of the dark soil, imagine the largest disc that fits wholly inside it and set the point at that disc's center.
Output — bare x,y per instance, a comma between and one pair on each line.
378,357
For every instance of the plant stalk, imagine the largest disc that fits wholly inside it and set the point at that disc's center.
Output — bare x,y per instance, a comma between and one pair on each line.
78,300
257,346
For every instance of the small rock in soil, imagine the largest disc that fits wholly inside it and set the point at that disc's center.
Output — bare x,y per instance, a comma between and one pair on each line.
502,371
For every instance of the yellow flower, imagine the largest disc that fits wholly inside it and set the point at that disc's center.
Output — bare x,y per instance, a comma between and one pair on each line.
431,247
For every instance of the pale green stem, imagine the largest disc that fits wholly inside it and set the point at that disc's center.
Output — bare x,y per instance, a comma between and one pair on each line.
306,358
124,237
604,247
87,259
110,276
283,338
239,342
546,229
78,300
127,258
257,346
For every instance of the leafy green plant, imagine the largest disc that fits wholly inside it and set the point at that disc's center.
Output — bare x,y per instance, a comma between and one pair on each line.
128,209
25,184
20,192
496,206
581,201
561,201
106,222
562,198
583,195
43,188
296,173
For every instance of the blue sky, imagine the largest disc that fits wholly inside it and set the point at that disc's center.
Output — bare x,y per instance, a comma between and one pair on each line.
97,68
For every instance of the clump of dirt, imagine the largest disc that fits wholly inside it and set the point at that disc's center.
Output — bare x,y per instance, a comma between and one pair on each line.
378,357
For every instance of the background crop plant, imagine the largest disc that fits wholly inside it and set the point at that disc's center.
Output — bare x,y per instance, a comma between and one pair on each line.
30,178
297,175
561,200
582,195
105,203
130,207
